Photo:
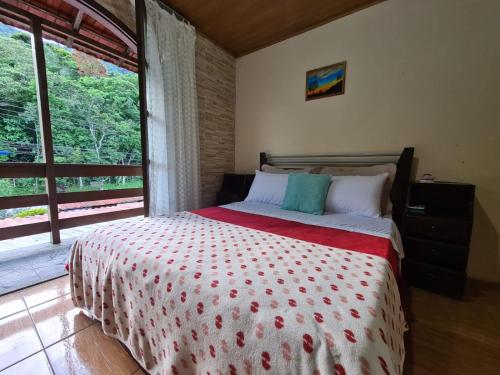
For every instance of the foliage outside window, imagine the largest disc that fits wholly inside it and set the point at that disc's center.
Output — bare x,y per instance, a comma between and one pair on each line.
93,105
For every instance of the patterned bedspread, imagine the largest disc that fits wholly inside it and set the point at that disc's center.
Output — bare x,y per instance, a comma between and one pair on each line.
207,293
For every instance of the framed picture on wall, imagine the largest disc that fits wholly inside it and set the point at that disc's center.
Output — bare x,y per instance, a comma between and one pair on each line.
326,81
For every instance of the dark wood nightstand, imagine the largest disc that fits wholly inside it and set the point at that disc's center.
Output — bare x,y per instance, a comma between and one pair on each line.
235,188
436,237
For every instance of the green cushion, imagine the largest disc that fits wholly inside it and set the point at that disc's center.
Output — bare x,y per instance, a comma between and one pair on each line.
306,193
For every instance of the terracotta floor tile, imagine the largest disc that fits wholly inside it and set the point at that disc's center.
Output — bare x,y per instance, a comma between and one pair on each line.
18,339
11,304
46,291
36,364
57,319
90,352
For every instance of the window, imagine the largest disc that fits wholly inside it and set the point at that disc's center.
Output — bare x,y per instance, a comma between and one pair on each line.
90,169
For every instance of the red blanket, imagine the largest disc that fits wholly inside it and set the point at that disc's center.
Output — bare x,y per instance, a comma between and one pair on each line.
338,238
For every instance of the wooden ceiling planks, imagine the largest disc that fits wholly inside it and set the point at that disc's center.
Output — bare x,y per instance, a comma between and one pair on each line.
240,26
244,26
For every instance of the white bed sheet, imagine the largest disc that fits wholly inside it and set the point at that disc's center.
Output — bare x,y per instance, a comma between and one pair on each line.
381,227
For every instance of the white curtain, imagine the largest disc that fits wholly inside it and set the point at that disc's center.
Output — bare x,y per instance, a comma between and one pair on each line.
173,113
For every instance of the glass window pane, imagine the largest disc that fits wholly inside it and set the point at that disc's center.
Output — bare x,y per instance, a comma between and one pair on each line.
94,107
19,125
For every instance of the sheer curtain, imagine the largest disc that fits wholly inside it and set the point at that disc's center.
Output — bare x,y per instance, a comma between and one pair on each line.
173,113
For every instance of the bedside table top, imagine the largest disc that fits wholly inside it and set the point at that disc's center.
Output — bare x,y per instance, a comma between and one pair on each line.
441,199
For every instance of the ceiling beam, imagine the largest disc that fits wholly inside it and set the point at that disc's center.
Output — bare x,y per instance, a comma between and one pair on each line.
22,18
78,20
60,20
107,19
121,58
90,43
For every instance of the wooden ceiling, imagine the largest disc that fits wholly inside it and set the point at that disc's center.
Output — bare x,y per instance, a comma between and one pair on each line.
243,26
239,26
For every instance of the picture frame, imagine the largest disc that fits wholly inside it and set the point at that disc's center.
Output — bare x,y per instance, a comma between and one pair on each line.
326,81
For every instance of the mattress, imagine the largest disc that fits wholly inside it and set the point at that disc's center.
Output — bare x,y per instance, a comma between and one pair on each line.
243,289
376,226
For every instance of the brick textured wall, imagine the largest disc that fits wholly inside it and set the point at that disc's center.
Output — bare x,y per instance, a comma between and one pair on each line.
216,80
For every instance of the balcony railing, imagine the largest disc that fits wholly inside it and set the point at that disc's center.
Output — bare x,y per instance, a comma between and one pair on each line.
54,224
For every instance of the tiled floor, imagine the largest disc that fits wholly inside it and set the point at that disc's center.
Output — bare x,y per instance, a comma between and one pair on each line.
41,332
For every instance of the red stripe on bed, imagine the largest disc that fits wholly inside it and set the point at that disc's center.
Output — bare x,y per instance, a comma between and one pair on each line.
343,239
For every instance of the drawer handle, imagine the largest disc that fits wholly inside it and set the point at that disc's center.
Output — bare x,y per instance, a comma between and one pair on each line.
433,250
431,276
433,227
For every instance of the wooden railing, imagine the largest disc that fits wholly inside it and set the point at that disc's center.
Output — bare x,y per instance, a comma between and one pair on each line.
28,170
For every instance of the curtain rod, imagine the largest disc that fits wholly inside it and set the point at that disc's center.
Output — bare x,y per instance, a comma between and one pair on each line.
170,10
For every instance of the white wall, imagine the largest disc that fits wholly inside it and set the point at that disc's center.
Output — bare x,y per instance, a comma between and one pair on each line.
424,73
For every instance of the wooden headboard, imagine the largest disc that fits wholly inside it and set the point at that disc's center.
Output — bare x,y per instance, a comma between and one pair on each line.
403,161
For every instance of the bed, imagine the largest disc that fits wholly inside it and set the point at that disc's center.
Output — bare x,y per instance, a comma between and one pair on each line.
249,288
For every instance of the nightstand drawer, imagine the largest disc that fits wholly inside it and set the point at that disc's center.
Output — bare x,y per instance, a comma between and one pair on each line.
437,253
433,278
442,229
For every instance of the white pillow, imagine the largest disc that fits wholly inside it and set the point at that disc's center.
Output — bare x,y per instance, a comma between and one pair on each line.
369,171
268,188
356,195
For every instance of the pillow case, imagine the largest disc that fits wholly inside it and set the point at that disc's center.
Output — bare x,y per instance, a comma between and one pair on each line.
271,169
268,188
356,195
306,193
373,170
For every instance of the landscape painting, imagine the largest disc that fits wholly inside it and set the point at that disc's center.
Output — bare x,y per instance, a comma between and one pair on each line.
326,81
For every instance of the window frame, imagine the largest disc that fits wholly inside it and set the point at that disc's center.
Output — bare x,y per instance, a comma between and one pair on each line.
48,169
